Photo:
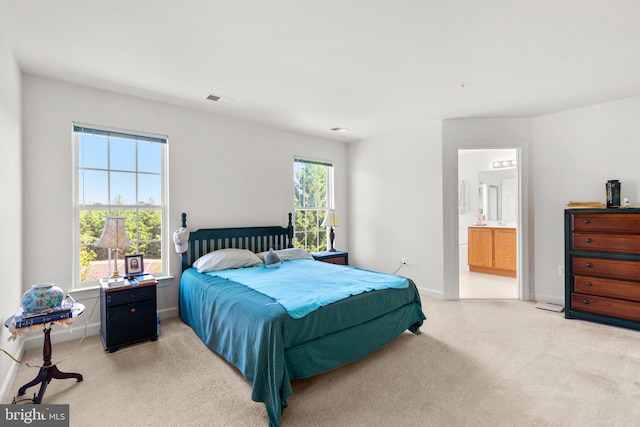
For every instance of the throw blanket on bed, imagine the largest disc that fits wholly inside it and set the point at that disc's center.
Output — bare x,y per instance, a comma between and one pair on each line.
296,284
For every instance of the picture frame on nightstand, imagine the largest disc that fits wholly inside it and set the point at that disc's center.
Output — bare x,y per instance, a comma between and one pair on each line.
133,264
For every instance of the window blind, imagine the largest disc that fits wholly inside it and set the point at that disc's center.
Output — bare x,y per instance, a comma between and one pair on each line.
313,162
140,136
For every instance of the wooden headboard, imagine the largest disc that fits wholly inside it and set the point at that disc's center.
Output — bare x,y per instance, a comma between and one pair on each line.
255,239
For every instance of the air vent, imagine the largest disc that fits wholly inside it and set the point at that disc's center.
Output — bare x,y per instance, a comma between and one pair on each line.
220,99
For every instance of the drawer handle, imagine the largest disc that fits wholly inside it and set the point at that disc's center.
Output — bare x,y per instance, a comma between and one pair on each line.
589,284
589,265
587,221
589,240
586,301
133,310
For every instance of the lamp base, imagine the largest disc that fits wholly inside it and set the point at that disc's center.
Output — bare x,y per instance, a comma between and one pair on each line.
332,236
116,273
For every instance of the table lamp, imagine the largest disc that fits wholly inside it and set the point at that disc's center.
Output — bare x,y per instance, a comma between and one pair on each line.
114,236
331,220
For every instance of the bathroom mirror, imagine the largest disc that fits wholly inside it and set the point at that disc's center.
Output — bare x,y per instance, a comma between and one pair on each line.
498,195
489,202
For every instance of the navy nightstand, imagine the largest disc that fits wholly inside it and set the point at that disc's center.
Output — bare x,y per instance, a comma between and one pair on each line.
127,315
337,257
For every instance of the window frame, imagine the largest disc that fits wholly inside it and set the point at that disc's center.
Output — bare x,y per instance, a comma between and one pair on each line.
329,195
82,128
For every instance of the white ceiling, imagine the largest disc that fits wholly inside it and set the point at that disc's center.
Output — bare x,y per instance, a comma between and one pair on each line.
371,66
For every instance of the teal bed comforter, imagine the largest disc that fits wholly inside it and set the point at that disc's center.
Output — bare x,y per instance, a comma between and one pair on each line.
270,347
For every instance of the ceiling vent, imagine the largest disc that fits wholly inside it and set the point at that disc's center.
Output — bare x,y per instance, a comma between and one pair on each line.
220,99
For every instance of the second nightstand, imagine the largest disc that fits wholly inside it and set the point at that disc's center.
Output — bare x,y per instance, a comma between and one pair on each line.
337,257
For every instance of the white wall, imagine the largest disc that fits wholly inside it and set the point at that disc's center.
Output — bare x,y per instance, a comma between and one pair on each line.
395,204
10,208
222,172
576,152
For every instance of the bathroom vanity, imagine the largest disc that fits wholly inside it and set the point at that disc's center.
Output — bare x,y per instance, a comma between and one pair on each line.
492,250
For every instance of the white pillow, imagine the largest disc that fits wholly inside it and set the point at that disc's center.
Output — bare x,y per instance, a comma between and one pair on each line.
225,259
288,254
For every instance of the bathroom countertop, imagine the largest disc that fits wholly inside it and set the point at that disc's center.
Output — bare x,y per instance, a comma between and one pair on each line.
494,225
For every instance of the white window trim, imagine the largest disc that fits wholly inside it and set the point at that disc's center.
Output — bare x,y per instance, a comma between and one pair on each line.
77,285
330,184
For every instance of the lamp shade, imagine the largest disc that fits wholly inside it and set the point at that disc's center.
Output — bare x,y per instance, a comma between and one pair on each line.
331,220
114,234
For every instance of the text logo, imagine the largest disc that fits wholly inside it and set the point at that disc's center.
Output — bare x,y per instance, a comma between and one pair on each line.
34,415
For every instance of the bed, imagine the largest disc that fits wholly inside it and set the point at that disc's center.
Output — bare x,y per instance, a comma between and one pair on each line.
260,337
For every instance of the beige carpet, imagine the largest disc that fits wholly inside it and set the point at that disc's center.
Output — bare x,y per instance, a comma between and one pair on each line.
477,363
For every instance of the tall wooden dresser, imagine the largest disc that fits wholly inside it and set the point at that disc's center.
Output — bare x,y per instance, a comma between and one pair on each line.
602,266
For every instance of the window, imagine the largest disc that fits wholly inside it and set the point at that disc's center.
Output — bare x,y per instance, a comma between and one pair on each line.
121,174
313,192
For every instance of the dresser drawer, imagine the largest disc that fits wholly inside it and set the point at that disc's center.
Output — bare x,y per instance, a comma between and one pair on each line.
130,295
615,223
619,243
603,267
606,306
607,287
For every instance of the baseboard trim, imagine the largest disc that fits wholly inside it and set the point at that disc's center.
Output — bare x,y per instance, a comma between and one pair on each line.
430,293
167,313
62,334
10,378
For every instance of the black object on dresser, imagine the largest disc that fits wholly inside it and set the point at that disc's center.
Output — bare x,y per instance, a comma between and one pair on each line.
334,257
127,315
602,259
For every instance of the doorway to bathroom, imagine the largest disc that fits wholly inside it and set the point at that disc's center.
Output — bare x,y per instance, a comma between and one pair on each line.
488,203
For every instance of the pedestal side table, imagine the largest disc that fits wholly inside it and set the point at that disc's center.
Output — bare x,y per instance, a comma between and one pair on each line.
48,371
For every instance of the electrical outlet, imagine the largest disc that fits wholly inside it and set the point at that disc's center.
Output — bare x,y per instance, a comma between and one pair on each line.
561,270
404,261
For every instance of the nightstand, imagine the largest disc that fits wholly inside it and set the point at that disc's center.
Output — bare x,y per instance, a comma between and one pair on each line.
337,257
127,315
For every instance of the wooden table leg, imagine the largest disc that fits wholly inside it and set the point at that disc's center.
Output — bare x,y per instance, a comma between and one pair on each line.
47,371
